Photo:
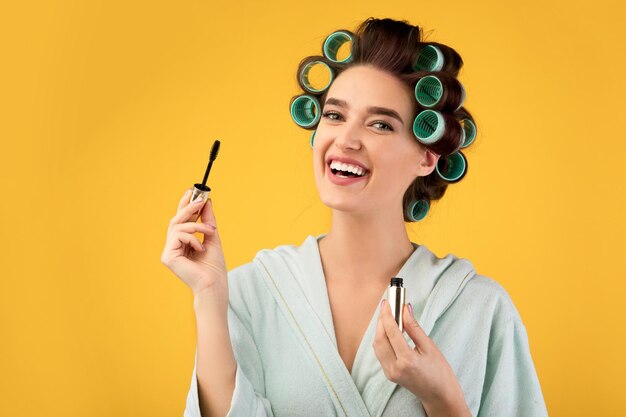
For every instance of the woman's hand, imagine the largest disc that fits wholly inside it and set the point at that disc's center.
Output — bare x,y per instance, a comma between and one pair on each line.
200,265
423,370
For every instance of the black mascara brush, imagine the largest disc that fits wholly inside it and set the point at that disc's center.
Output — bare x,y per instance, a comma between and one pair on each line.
202,190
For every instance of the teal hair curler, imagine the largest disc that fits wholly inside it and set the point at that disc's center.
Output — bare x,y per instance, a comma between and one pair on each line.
430,59
469,128
305,110
462,96
428,91
333,42
418,210
429,126
304,76
457,167
312,139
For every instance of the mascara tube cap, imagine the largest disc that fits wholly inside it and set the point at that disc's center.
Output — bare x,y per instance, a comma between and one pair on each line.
396,295
199,191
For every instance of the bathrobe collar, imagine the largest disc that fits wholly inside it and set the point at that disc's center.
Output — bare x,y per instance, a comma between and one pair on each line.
295,277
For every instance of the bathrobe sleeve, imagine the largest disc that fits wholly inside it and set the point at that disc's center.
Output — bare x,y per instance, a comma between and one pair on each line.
249,396
511,386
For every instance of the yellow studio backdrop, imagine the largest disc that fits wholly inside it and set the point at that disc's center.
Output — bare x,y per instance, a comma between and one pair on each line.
109,110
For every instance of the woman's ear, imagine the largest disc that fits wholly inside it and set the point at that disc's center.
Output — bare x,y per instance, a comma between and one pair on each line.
428,162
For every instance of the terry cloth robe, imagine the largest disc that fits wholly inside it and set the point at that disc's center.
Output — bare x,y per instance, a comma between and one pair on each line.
288,364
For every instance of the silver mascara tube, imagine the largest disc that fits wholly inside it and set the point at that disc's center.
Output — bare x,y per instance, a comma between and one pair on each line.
199,191
395,297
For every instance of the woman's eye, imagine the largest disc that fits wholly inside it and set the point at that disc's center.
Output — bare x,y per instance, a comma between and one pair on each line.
384,124
328,115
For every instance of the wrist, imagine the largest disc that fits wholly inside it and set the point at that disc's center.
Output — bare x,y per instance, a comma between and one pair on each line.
210,298
451,405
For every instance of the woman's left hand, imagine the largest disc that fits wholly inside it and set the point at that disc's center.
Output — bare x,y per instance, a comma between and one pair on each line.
422,370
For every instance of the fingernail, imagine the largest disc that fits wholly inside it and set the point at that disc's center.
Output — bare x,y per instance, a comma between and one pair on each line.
198,200
410,308
382,303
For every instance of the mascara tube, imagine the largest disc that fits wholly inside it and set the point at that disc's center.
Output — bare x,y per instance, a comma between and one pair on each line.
395,297
199,191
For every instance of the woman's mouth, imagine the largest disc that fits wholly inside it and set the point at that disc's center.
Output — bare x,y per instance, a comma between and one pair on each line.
340,177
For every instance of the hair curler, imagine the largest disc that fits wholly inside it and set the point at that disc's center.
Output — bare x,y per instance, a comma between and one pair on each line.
430,58
418,210
333,42
306,82
305,110
429,126
455,167
470,131
429,91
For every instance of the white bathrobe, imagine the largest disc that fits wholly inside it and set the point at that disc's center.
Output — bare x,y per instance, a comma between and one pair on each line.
288,364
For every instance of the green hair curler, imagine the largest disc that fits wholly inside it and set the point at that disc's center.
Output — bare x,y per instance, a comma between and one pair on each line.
429,126
333,42
312,139
418,210
457,167
462,96
304,77
305,110
428,91
469,128
430,59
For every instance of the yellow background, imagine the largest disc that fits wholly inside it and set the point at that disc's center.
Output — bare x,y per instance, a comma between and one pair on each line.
108,112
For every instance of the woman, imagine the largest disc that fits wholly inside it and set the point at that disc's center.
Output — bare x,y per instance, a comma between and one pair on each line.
301,330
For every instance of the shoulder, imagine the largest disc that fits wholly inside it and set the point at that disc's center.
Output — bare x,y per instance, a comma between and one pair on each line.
249,273
488,297
246,282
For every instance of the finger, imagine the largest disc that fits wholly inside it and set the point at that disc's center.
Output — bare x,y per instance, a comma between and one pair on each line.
415,331
177,240
384,351
398,343
190,240
207,215
187,211
183,201
190,227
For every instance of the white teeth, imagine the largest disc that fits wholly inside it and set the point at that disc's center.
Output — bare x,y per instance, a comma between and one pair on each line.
347,167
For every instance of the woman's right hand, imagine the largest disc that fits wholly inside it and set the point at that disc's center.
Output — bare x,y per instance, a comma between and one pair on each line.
200,265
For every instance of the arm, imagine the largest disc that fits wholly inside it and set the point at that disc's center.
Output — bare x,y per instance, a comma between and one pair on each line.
215,364
227,368
511,386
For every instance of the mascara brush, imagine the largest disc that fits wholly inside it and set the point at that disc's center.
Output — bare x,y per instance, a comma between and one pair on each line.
201,190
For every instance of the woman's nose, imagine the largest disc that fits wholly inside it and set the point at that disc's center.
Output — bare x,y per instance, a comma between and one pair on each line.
349,136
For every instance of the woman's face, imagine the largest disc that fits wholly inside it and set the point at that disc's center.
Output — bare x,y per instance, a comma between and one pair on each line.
381,143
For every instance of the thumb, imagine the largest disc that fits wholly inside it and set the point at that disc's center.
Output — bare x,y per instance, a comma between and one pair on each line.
414,330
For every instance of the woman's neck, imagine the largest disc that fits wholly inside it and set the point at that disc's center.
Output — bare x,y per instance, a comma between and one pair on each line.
364,252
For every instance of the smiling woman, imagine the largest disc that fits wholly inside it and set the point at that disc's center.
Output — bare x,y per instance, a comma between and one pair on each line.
300,331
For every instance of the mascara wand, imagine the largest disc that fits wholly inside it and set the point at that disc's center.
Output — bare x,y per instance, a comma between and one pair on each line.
201,190
214,150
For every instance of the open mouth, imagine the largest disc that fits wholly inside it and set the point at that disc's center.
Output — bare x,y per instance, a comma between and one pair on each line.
347,174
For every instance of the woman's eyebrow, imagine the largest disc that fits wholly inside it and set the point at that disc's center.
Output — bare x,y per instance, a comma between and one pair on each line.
371,109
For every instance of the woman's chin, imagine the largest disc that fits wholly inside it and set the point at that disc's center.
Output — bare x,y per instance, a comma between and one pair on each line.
341,203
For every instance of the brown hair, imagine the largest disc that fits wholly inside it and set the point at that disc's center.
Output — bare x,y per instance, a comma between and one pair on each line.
394,46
